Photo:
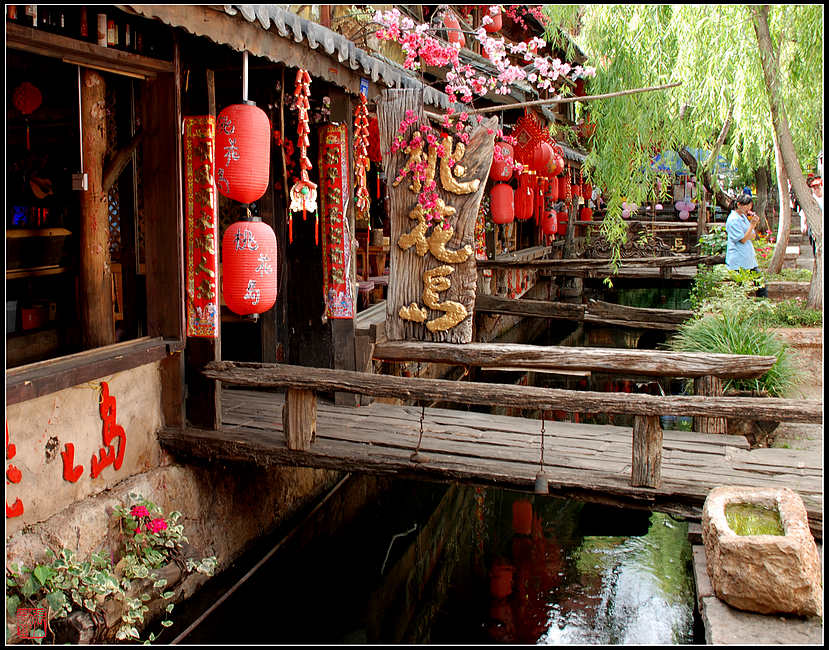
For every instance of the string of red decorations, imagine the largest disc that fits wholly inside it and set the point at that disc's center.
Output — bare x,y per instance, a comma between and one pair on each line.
303,193
361,159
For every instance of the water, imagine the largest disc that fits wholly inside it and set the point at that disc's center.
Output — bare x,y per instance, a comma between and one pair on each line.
425,563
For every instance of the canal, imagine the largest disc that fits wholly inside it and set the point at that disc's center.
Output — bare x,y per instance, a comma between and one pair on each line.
456,564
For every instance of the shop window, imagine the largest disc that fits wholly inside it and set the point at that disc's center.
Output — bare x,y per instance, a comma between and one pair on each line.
43,210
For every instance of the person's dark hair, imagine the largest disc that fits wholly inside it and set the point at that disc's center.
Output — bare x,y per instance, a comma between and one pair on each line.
743,199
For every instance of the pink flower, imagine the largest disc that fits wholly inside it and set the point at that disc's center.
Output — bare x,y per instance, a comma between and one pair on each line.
156,525
139,511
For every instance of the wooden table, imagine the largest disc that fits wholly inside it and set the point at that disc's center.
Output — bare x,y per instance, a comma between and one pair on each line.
376,255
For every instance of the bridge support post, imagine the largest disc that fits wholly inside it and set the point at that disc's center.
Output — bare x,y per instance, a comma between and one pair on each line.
299,418
709,386
646,465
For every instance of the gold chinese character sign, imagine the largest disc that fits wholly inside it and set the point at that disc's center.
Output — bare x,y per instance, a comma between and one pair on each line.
433,278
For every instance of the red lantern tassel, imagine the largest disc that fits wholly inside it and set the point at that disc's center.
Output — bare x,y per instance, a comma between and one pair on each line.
378,184
290,229
317,231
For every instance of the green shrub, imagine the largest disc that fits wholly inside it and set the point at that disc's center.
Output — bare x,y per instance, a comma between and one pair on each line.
793,313
714,242
791,275
737,330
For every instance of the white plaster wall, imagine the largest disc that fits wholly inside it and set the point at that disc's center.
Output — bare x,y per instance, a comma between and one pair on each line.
40,428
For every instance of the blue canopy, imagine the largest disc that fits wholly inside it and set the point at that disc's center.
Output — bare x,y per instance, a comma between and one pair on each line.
669,161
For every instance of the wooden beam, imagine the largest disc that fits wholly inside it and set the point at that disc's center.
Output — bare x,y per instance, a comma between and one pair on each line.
529,308
608,310
646,455
95,281
86,54
656,363
264,375
709,386
123,158
580,264
46,377
299,418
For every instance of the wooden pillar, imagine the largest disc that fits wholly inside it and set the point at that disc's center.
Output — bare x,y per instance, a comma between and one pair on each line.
646,466
709,386
299,418
95,285
204,396
702,213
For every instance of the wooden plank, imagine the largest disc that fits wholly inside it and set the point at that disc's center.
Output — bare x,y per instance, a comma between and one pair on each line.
579,264
529,308
647,452
45,377
623,312
163,209
657,363
87,54
322,379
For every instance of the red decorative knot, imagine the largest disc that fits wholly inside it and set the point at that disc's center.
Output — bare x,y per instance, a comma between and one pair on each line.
361,157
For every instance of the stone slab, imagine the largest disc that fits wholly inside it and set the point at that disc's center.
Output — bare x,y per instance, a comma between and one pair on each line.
726,625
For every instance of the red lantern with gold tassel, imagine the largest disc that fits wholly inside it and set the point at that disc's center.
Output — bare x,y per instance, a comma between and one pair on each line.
249,267
502,204
524,198
502,162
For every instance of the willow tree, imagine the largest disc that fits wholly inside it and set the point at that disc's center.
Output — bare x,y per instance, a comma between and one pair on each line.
722,105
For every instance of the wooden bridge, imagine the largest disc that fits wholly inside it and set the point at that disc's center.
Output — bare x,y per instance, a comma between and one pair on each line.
670,471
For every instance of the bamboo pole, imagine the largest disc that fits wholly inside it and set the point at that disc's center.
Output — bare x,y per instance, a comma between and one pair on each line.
561,100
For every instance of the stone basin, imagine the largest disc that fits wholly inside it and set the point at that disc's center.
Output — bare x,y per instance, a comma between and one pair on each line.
767,574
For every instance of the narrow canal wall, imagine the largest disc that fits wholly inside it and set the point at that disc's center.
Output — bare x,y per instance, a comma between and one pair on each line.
70,475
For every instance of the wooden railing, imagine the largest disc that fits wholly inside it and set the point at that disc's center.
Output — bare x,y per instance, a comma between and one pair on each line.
299,413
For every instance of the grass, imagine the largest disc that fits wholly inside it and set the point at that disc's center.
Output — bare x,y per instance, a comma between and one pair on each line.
736,330
791,275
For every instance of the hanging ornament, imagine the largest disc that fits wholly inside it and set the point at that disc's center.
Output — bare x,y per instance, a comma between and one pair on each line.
249,267
502,204
242,152
361,158
27,99
494,12
454,34
304,193
524,198
502,162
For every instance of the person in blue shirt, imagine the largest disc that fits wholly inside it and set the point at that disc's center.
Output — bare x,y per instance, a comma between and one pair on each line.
741,230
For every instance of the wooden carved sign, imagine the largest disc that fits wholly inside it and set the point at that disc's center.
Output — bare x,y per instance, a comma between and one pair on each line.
336,237
433,278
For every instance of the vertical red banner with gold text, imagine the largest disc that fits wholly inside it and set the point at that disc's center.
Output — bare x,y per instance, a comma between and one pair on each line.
336,234
201,228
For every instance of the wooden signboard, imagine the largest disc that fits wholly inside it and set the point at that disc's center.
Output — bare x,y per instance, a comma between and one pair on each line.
433,278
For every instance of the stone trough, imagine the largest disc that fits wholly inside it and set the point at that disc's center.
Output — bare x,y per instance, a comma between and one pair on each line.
768,574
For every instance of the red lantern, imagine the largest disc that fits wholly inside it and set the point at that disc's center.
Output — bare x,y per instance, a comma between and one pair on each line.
501,170
249,267
524,199
562,188
243,138
374,140
575,191
542,153
586,214
586,191
496,23
549,222
453,29
502,203
562,223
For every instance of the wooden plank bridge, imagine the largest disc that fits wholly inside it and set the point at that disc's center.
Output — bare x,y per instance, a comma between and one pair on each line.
670,471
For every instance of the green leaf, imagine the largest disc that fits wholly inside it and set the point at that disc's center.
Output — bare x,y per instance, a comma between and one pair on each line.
30,587
166,623
12,603
145,597
57,600
169,607
158,584
167,594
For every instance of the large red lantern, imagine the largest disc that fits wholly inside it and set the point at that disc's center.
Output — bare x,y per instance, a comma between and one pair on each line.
562,223
249,267
496,23
243,139
587,191
586,214
453,29
502,204
524,199
501,170
549,223
542,154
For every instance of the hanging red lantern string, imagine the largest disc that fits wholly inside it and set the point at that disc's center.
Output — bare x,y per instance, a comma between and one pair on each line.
361,159
304,193
27,99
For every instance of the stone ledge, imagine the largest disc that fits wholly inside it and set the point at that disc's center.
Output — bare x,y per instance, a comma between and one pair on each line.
726,625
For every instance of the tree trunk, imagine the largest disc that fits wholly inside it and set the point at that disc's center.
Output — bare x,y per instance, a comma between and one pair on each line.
814,215
95,286
784,224
720,197
762,201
